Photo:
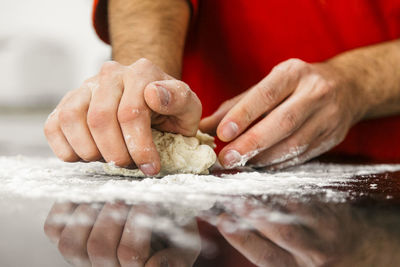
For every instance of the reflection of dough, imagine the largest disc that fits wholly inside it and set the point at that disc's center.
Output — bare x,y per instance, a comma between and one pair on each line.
178,154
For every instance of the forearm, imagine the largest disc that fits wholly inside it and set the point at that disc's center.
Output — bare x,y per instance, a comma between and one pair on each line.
373,73
154,29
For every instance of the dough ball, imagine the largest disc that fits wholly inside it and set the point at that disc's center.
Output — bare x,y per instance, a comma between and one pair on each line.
178,154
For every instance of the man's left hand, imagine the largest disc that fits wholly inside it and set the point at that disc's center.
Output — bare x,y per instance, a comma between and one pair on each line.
297,112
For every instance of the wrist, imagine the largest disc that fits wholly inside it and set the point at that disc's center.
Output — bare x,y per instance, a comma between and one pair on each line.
371,75
150,29
172,67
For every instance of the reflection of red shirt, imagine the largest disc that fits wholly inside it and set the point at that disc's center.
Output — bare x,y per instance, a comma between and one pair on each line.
233,44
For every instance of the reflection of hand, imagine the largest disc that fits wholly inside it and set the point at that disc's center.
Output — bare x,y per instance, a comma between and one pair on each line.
110,116
304,235
115,235
308,109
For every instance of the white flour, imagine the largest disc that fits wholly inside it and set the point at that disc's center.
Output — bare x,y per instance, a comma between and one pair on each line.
86,182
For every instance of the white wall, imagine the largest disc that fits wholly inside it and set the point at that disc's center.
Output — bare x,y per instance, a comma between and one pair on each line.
47,47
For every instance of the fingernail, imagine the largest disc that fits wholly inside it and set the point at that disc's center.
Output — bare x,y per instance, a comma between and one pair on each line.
163,94
231,158
148,168
230,130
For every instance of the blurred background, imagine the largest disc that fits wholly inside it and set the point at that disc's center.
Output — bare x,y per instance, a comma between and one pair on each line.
47,47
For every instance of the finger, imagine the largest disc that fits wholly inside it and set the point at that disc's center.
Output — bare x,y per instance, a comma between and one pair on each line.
293,146
57,219
57,141
106,234
134,247
102,116
265,96
134,117
280,123
286,230
175,99
317,135
187,241
209,124
256,249
316,149
294,238
317,214
72,116
73,240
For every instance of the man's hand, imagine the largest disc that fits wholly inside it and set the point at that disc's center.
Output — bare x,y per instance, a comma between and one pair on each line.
308,234
304,108
115,234
301,110
110,116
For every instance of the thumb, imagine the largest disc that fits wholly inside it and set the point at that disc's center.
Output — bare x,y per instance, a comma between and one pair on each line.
174,98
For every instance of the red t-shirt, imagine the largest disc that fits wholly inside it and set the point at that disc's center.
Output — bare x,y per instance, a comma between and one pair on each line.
233,44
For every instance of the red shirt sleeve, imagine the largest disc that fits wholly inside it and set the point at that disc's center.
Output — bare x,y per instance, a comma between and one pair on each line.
100,17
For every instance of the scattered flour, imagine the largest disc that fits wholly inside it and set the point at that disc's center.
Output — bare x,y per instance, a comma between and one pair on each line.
86,182
243,158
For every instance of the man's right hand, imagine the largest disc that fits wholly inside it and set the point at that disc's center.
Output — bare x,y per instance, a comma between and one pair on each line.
110,116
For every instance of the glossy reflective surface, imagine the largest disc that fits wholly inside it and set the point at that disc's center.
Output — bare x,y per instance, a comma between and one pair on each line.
57,214
350,220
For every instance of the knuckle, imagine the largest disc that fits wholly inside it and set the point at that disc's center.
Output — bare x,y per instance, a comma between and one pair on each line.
292,65
130,113
296,64
49,129
127,254
142,68
288,122
268,94
68,115
252,141
324,91
98,118
91,84
108,67
142,63
246,114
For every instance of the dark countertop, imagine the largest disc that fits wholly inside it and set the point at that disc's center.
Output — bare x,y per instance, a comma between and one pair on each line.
353,221
315,216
